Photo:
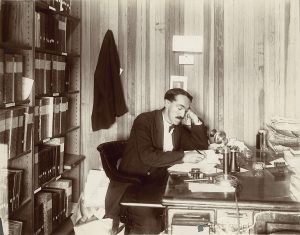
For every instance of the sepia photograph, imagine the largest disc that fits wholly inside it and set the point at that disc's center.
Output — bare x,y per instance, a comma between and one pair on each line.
128,117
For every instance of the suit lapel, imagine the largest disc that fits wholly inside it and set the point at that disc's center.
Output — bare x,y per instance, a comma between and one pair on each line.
176,135
159,132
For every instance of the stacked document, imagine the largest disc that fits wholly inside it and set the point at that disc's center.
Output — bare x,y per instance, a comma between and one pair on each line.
210,188
207,165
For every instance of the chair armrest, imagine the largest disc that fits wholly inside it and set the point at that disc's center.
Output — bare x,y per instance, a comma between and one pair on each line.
125,178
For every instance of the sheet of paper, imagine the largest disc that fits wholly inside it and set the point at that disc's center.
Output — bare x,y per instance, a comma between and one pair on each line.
207,165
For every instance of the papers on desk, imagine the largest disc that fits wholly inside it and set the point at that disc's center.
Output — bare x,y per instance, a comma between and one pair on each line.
211,188
207,165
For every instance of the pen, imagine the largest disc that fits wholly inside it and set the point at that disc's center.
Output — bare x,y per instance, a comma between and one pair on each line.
201,153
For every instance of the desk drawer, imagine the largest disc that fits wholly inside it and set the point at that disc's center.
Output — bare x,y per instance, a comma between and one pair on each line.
181,218
228,219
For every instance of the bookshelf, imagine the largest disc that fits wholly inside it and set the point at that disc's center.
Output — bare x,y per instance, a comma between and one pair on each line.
37,124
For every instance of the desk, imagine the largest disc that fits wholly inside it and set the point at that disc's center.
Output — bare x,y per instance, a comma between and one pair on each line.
264,204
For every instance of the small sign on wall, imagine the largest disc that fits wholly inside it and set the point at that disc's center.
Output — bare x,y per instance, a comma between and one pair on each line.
186,59
187,43
178,82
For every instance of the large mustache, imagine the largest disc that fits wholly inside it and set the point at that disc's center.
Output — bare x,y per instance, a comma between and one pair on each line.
179,117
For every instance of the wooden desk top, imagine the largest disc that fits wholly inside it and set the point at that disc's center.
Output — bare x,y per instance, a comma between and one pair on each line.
265,189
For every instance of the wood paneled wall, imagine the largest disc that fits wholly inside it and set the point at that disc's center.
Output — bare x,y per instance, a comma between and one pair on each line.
249,69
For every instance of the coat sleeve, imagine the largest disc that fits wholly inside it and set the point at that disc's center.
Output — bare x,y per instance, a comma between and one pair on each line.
147,152
194,138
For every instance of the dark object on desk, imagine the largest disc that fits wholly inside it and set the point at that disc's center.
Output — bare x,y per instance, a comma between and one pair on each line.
111,153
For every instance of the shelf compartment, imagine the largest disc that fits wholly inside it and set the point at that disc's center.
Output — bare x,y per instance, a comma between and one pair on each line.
27,57
73,37
72,144
52,52
18,27
72,160
22,205
74,171
19,155
46,183
73,73
11,46
44,7
24,163
14,104
73,113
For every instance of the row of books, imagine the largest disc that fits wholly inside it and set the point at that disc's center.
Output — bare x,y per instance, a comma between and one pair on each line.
50,74
48,161
50,31
11,73
10,194
16,125
59,5
50,114
56,205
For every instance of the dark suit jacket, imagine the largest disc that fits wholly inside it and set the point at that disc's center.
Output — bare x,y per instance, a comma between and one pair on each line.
144,156
109,101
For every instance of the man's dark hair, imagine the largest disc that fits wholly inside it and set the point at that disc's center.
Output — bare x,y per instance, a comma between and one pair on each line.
172,93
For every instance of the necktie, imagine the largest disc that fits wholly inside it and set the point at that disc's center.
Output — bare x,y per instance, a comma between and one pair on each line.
171,128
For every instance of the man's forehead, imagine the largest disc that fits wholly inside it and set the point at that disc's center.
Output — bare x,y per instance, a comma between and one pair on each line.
183,101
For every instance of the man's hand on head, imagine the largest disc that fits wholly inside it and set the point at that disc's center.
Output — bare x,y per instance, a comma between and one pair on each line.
194,118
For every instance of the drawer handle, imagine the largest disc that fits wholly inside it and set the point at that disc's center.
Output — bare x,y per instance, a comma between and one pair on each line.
232,214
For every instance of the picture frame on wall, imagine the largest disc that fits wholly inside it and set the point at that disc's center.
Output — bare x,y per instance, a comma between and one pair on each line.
178,82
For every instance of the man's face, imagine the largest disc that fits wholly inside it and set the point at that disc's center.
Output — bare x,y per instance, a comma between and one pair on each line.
177,109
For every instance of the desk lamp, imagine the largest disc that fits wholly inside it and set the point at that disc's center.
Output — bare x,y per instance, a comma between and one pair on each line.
224,179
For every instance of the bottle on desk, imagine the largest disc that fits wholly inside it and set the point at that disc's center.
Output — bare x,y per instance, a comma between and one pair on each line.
261,140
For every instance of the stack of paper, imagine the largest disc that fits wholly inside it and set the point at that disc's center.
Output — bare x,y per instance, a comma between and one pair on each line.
211,188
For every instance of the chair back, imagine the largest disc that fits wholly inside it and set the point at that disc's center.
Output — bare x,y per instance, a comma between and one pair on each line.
110,153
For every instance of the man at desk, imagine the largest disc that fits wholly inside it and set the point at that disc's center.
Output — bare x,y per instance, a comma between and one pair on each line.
158,140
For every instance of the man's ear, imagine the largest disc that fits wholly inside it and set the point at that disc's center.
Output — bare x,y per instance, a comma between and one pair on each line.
167,103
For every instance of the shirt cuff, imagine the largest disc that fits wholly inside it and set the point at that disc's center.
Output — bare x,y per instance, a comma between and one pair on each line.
198,122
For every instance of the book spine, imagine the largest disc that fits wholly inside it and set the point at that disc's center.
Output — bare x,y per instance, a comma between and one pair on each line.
1,75
3,147
37,29
20,131
47,72
37,125
46,199
18,76
28,126
56,116
63,114
37,71
9,78
36,178
42,74
54,72
8,131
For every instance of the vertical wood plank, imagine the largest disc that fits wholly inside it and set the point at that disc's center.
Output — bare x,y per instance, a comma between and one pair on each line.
219,65
229,93
131,45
